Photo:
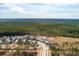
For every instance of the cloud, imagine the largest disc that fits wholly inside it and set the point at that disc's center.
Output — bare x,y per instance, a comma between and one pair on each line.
16,8
29,9
39,10
33,9
42,1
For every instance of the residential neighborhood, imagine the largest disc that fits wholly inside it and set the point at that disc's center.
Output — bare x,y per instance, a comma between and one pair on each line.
25,43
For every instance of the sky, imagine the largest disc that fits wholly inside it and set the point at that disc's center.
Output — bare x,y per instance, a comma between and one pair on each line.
69,9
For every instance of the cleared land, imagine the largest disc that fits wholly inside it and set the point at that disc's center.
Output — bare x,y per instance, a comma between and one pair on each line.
65,46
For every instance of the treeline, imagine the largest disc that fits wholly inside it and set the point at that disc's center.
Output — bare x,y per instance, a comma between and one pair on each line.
13,33
51,29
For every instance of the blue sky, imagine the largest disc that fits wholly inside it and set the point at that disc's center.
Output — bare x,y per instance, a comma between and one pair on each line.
39,10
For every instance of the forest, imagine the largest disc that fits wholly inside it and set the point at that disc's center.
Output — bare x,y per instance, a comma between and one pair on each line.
38,28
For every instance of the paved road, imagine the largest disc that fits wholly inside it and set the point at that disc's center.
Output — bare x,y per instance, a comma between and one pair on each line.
44,49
